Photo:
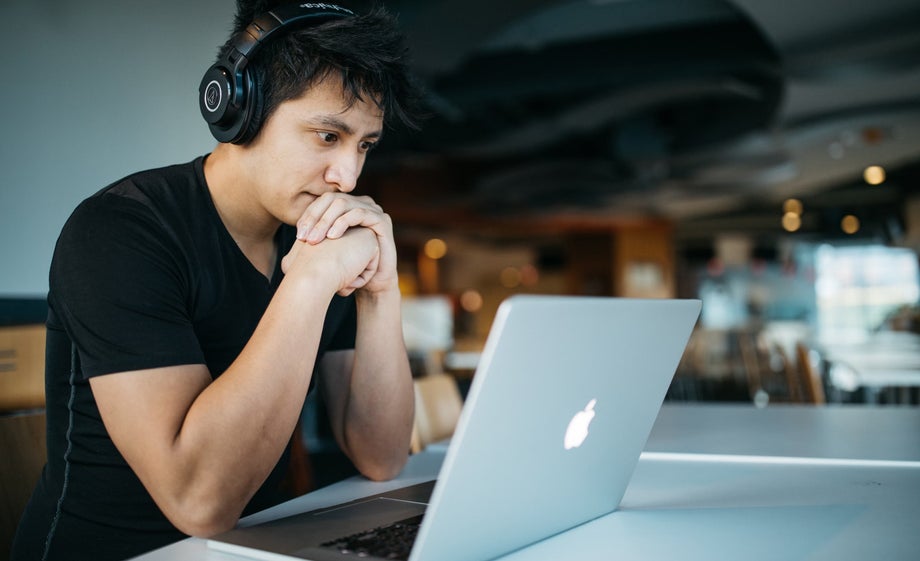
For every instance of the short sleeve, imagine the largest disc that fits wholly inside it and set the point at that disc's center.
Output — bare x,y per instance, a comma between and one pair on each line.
119,286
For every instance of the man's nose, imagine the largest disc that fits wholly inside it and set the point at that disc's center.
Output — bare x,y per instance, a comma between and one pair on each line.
343,172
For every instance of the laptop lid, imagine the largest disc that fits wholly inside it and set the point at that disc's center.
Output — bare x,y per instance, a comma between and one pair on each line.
559,410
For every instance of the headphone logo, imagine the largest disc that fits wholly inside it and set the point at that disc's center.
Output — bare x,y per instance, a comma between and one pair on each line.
212,96
328,7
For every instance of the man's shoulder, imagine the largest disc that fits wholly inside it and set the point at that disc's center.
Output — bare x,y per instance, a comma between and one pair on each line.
149,200
175,180
159,191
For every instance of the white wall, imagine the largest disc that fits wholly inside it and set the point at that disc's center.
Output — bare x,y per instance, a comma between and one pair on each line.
91,91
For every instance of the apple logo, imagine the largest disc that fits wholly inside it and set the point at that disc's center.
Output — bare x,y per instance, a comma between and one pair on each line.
577,431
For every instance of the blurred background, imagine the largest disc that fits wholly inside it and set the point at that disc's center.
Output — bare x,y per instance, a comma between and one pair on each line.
762,157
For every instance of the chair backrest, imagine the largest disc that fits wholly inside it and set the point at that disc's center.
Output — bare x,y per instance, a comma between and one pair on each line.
803,381
809,376
793,387
437,409
22,456
22,367
752,363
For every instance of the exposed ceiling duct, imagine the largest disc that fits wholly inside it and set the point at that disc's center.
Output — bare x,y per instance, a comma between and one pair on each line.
671,108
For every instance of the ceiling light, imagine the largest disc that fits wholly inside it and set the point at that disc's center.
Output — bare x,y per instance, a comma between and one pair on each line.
849,224
792,222
435,248
471,301
792,205
874,175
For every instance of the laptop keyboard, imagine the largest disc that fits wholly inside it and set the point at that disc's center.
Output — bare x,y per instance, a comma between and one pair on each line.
393,541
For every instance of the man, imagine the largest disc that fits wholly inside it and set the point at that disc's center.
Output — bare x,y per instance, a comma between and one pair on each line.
193,307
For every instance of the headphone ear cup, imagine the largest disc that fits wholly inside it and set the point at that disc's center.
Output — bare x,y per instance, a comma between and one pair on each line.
215,95
229,96
224,101
251,117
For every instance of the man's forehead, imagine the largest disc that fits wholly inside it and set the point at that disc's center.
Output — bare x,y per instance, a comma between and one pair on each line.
329,97
331,108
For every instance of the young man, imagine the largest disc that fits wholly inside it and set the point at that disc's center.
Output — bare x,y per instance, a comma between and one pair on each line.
193,307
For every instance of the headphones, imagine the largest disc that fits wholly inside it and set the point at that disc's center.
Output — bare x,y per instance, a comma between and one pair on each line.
229,97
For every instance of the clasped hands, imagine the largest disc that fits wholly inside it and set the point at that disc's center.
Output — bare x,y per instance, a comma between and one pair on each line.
349,237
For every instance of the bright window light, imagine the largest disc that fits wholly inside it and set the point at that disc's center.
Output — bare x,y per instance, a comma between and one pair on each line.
858,286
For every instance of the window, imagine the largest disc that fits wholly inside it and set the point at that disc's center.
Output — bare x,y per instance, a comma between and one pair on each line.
857,287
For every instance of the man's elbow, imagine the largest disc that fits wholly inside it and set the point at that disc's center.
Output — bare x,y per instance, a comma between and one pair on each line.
383,470
202,520
203,527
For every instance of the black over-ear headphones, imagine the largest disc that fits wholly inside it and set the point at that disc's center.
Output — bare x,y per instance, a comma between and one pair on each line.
229,97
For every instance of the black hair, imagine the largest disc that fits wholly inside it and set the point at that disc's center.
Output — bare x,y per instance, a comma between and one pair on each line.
367,51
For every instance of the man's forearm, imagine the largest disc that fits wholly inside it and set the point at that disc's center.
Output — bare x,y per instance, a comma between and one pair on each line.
239,425
380,410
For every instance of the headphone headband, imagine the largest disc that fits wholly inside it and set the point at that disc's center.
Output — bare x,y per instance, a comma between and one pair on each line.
265,25
228,95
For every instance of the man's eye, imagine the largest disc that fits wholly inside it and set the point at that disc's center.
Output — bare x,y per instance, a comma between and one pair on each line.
327,137
367,145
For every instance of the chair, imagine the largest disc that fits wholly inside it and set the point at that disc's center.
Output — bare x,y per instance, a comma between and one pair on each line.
750,357
437,409
22,442
794,392
810,378
803,381
299,478
22,367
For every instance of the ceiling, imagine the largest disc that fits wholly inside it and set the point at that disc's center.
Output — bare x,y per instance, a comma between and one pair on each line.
704,113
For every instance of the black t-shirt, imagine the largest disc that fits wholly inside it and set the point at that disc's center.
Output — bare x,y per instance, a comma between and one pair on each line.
144,275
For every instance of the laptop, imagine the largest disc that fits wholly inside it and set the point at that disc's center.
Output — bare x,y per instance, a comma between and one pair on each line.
560,407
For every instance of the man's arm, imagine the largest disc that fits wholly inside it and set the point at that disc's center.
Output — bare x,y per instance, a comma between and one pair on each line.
369,392
371,404
202,448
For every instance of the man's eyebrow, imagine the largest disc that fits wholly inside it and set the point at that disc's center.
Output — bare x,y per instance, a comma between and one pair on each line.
335,123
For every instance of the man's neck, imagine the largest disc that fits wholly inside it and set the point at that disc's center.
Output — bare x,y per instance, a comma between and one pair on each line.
248,223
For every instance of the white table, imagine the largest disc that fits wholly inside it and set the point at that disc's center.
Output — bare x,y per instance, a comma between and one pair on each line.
724,482
886,360
855,432
700,511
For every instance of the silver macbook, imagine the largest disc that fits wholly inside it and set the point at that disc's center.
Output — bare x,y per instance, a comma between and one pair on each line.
559,410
